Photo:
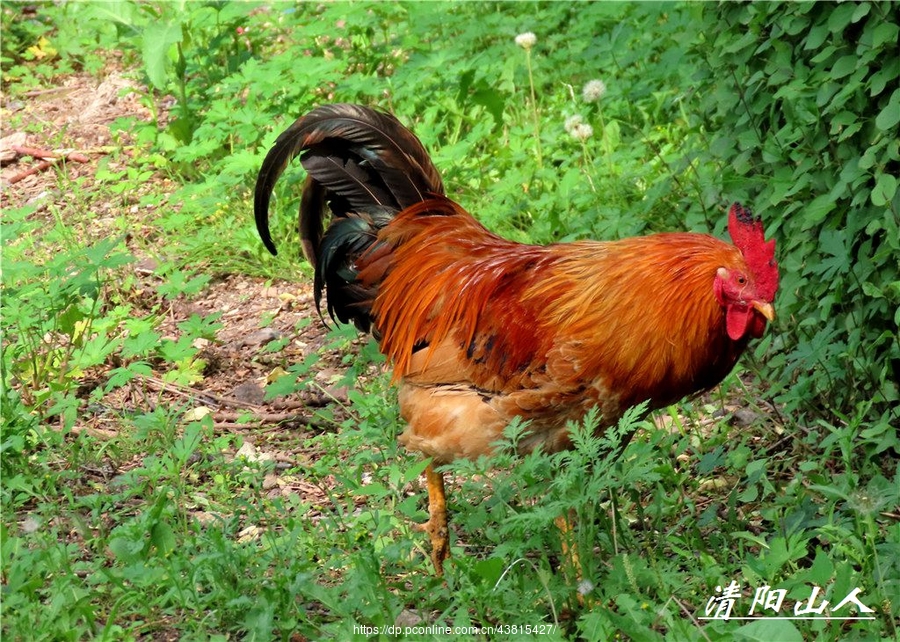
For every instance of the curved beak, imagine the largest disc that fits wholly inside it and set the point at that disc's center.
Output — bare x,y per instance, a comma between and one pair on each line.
764,309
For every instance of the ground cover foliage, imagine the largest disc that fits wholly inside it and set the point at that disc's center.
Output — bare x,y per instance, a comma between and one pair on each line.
130,511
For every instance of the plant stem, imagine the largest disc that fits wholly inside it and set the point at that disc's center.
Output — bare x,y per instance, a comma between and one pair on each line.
534,111
607,148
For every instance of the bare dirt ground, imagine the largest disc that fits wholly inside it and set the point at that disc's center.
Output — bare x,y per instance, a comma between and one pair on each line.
72,122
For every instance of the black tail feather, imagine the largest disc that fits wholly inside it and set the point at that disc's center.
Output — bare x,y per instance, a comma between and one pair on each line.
346,239
365,166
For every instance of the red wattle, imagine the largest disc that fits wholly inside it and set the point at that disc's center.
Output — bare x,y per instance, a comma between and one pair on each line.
736,322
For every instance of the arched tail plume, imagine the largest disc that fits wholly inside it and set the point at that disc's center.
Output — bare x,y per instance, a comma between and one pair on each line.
364,166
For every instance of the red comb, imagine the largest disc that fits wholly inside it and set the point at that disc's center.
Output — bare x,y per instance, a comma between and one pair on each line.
747,234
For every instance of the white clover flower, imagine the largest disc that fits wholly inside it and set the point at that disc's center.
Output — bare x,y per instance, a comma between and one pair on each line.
593,91
572,122
582,131
526,40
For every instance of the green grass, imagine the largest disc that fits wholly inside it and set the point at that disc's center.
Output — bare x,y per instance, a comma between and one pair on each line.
128,514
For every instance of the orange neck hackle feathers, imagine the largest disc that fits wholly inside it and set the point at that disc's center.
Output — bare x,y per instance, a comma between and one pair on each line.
639,313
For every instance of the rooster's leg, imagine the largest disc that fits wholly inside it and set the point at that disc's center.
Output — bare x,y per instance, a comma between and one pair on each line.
570,550
436,526
567,540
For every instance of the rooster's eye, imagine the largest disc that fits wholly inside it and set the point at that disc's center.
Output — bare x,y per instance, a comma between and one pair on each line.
741,280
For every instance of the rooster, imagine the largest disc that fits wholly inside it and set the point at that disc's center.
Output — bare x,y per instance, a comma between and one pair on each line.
480,330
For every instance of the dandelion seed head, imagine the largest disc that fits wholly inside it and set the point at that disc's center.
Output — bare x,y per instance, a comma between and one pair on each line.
585,587
582,131
526,40
593,91
572,122
29,525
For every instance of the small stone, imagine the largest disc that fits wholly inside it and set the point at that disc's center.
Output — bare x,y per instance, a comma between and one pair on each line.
261,337
249,392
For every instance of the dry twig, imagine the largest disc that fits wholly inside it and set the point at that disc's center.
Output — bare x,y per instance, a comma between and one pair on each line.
47,159
228,420
46,154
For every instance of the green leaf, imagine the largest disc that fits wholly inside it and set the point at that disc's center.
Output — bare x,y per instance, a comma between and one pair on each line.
816,37
746,40
817,210
412,472
885,188
884,33
163,538
777,555
848,131
821,570
69,319
120,376
140,344
768,630
841,17
862,10
881,78
493,101
824,55
125,548
490,570
843,67
842,119
115,11
158,39
872,290
890,115
374,489
830,492
869,157
185,446
182,129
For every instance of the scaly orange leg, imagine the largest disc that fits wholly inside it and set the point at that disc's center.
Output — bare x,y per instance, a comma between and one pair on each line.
436,526
570,549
